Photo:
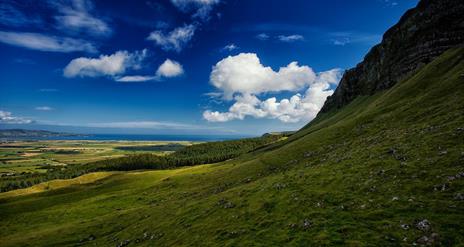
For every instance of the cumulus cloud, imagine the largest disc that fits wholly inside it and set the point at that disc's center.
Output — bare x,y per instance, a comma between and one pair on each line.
245,74
41,42
105,65
43,108
169,68
8,118
175,40
75,16
243,78
290,38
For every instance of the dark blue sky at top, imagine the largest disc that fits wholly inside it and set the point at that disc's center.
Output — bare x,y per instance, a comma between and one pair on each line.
337,34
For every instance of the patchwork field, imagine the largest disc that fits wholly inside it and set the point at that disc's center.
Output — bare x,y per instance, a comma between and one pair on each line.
34,156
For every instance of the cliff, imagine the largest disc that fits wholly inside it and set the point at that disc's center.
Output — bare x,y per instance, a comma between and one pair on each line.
422,34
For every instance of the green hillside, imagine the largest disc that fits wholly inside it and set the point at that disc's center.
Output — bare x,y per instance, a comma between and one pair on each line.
386,169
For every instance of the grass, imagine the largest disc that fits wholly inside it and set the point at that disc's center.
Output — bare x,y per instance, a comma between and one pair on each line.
57,184
364,175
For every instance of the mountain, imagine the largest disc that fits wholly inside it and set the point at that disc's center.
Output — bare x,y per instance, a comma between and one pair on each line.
23,133
421,35
384,166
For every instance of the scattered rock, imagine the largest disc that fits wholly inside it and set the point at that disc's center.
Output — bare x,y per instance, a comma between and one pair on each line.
423,240
307,223
424,225
405,226
459,175
459,197
292,225
428,240
440,187
308,154
124,243
280,186
225,204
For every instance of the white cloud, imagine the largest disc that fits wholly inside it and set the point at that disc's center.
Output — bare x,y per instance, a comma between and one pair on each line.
41,42
105,65
345,38
10,15
202,8
262,36
290,38
170,68
135,78
175,40
230,47
75,16
8,118
243,78
43,108
245,74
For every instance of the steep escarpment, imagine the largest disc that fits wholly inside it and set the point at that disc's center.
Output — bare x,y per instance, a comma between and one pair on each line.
422,34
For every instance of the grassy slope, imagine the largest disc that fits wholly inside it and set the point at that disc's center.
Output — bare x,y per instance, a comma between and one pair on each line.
356,175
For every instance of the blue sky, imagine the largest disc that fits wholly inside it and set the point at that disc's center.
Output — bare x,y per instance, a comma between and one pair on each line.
180,66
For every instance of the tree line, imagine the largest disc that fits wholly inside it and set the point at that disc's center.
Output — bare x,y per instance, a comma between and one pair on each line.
204,153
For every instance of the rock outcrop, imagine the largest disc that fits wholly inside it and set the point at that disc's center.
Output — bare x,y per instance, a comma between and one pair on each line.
422,34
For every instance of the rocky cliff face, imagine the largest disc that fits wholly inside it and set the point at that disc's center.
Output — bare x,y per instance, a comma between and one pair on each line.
422,34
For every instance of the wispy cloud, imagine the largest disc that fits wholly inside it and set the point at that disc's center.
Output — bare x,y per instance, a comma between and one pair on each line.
262,36
42,42
389,3
135,78
230,47
76,16
8,118
142,125
43,108
290,38
201,8
48,90
175,40
10,15
345,38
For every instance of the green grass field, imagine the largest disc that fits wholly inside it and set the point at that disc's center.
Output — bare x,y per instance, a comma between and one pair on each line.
386,170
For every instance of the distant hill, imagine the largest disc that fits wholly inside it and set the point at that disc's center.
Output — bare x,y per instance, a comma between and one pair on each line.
23,133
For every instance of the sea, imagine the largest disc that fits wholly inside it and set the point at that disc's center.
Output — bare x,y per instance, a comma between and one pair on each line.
130,137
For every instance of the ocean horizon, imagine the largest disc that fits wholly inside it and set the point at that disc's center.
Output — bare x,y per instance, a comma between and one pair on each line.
134,137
